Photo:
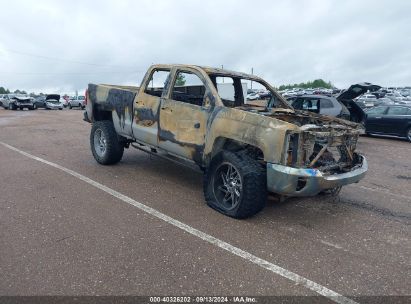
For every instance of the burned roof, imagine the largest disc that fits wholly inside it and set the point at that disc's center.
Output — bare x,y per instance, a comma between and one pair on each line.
210,70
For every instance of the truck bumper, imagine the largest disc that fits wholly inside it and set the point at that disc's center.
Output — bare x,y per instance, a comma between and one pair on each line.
291,181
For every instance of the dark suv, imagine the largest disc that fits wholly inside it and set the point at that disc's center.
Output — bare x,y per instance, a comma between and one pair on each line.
389,120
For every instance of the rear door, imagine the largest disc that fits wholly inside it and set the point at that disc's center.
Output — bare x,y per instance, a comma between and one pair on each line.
184,114
396,121
311,104
374,122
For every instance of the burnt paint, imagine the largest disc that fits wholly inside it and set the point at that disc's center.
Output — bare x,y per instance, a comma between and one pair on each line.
117,100
197,150
92,91
146,114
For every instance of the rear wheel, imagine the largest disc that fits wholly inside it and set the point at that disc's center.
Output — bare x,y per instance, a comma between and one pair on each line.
105,144
409,134
235,185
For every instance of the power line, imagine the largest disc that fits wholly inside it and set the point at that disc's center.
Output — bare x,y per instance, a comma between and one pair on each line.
62,59
65,73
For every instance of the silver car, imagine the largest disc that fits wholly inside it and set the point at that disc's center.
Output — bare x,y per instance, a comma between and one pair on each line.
52,102
17,101
77,102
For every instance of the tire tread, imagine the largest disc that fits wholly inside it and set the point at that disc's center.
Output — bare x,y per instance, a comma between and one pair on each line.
254,184
115,149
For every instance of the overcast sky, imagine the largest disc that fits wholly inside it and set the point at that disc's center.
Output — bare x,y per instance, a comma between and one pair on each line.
60,46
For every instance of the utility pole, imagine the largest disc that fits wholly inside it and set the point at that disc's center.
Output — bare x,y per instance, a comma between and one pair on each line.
252,73
222,67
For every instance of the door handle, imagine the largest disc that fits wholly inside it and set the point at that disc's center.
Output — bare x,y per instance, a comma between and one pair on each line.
378,117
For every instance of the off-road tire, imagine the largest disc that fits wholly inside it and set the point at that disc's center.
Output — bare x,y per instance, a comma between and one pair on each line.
11,106
254,184
114,148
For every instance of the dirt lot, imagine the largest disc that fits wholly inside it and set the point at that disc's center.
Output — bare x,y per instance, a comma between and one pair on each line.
59,235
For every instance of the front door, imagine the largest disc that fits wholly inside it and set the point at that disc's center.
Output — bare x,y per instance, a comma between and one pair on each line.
183,116
147,104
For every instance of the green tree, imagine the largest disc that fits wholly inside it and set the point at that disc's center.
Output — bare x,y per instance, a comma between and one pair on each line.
317,83
4,91
20,92
181,80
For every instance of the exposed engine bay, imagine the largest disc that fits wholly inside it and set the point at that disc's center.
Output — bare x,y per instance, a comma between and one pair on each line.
324,143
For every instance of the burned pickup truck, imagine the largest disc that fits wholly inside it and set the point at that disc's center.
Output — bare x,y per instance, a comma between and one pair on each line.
245,148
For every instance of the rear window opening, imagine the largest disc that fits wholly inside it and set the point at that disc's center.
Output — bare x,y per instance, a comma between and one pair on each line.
244,93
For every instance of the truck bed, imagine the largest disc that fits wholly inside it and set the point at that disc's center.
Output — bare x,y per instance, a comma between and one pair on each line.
115,99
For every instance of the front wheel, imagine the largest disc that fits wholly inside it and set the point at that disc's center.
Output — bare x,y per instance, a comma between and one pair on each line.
105,144
409,134
235,185
70,106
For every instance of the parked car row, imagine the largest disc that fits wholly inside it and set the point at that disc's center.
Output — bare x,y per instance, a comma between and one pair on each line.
381,116
309,91
49,102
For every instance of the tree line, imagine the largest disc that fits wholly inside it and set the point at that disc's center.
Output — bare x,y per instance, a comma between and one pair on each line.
318,83
7,91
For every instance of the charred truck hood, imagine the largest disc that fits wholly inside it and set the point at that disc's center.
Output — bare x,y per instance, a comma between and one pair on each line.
319,142
318,155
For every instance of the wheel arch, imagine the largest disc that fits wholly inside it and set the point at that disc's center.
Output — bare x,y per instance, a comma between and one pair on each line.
228,144
99,115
